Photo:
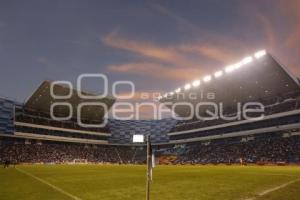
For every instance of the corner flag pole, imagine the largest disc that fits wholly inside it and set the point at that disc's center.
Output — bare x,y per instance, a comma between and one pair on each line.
149,152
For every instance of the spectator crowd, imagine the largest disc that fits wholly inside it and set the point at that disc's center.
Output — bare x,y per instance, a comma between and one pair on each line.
65,153
260,150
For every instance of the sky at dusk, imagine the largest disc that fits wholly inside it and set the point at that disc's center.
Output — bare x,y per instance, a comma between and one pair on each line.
159,45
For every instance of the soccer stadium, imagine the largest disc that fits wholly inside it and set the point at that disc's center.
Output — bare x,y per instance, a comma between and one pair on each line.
230,134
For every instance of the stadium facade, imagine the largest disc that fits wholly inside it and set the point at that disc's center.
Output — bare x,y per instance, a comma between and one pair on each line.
262,80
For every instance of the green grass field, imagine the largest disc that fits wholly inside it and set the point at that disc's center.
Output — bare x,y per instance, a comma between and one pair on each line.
55,182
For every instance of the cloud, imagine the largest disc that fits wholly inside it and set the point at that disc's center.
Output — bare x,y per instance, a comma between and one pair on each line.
181,21
210,51
293,41
270,34
157,70
185,61
281,27
290,10
149,50
181,61
191,59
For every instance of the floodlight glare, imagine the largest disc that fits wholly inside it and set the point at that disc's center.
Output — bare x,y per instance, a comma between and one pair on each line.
218,74
260,53
207,78
229,69
178,90
138,139
196,83
187,86
247,60
237,65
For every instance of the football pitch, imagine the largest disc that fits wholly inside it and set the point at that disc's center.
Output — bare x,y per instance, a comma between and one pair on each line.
125,182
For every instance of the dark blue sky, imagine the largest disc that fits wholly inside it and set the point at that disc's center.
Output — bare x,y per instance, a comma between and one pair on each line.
159,45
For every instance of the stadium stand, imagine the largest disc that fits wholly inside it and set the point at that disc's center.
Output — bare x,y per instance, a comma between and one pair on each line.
6,116
28,134
264,150
262,80
25,151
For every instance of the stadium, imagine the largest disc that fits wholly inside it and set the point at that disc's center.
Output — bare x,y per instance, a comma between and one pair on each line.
154,100
59,148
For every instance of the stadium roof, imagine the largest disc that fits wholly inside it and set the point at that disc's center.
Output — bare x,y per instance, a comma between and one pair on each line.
254,78
41,101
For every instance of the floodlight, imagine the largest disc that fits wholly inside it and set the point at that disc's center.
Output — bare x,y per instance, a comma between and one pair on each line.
247,60
138,139
229,69
187,86
218,74
166,95
237,65
207,78
171,93
178,90
260,53
196,83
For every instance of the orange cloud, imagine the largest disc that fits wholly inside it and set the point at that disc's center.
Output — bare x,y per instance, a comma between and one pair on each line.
210,51
290,10
270,34
167,54
158,71
181,21
187,61
293,41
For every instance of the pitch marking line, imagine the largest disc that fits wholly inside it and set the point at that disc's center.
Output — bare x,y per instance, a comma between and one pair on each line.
49,184
263,193
270,174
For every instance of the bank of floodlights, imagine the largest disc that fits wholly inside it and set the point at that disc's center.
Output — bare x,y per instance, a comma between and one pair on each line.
220,73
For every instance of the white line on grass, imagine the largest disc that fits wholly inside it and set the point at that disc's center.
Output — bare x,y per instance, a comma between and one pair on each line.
49,184
269,174
263,193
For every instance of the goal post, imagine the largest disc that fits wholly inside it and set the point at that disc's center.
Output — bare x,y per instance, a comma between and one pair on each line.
80,161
